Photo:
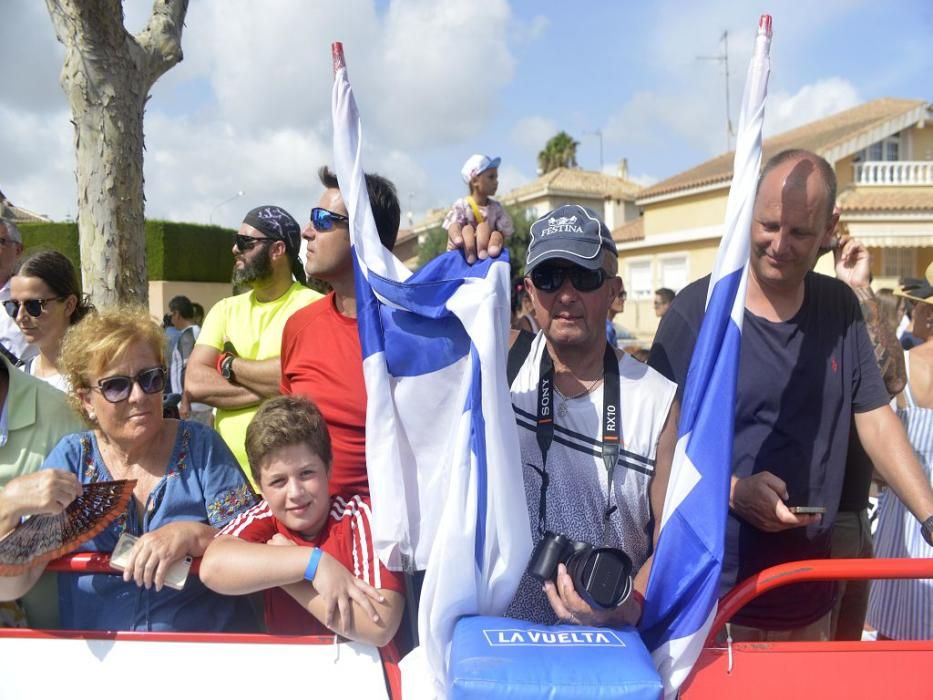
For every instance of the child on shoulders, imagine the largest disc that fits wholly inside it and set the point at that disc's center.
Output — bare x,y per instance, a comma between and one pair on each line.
481,175
312,555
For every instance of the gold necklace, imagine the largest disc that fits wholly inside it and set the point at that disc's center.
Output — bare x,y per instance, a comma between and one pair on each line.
562,410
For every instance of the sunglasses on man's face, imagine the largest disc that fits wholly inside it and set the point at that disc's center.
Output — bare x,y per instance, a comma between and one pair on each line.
548,278
325,220
34,307
119,387
245,243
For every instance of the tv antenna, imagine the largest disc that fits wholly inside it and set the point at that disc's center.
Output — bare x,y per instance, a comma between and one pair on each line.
723,58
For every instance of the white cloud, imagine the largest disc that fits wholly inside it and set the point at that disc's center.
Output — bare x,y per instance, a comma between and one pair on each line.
532,133
811,102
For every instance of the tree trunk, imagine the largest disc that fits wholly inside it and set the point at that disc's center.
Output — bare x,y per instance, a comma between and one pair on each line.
107,76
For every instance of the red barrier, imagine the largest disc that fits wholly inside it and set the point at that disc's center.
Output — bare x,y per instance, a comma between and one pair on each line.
814,570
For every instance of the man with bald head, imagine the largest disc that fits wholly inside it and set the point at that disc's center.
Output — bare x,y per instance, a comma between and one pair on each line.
807,373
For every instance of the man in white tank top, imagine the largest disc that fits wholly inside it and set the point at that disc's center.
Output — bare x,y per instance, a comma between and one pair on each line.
571,277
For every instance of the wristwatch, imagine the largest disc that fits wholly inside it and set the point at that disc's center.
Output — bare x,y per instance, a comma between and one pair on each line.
926,528
226,366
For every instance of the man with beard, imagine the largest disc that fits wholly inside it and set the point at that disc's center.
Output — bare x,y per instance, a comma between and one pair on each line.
235,363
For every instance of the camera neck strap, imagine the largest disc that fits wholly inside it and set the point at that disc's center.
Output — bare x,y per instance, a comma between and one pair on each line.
611,427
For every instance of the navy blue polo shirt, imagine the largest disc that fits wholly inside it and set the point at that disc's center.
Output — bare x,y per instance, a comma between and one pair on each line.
800,381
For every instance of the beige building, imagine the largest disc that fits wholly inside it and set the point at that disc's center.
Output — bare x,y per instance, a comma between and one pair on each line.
882,152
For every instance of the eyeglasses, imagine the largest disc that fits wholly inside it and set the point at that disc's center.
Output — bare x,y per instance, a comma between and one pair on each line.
119,387
4,242
245,243
34,307
325,220
550,279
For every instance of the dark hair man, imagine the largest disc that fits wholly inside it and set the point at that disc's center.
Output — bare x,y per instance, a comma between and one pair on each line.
662,301
807,371
235,363
321,355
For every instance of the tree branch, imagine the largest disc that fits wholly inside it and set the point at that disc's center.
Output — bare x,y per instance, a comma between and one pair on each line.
88,20
160,41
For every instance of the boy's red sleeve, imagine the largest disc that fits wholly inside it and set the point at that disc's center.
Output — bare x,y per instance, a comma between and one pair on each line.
253,525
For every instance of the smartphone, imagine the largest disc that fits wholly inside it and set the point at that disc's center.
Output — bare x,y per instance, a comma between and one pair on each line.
177,573
807,510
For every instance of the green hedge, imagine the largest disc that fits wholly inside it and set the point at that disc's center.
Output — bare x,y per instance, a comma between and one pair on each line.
174,251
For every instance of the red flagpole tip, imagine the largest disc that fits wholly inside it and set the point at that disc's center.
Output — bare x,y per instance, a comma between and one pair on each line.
764,24
336,52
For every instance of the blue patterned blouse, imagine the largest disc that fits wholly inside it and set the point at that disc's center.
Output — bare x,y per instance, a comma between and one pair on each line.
203,482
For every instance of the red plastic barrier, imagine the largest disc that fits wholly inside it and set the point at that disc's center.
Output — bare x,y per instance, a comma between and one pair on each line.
814,570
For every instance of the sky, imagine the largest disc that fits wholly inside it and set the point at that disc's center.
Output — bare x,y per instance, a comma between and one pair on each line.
248,109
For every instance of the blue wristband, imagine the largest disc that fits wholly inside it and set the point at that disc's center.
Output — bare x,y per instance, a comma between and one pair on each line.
311,569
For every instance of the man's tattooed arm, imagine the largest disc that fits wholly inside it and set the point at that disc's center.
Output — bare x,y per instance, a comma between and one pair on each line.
888,352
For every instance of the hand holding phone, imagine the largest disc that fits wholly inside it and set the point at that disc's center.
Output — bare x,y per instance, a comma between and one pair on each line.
175,577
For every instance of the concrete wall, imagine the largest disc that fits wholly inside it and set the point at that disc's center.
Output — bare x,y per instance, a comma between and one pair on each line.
695,211
205,293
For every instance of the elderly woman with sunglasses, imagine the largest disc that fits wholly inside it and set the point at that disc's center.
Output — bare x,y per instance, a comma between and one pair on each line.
188,484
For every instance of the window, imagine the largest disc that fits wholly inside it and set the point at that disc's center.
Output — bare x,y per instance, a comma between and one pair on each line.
674,272
639,279
888,149
898,262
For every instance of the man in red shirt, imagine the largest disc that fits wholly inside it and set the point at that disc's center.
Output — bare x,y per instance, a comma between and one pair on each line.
321,355
299,545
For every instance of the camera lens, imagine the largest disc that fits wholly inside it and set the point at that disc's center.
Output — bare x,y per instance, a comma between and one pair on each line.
603,577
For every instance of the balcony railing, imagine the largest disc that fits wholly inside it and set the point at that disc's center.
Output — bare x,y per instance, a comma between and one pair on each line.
897,172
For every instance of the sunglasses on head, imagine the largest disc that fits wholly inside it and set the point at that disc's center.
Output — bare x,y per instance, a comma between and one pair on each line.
119,387
34,307
325,220
245,243
550,278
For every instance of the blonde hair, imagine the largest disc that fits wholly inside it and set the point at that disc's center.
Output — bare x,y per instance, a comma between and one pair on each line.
101,338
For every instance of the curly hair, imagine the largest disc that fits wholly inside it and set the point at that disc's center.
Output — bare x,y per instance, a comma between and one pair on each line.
284,421
101,339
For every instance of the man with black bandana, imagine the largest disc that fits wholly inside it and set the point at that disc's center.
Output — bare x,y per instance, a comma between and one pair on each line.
235,364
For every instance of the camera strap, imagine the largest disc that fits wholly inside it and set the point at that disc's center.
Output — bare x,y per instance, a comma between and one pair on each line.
611,428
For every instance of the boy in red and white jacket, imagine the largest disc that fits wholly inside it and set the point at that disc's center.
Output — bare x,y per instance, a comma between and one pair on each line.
312,555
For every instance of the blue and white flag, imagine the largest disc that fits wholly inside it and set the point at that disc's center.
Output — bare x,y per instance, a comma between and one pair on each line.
681,599
441,444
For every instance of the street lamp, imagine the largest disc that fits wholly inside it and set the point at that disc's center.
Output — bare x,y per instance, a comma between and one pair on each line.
210,217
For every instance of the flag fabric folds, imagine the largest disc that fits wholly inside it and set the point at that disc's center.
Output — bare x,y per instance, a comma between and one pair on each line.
441,445
680,602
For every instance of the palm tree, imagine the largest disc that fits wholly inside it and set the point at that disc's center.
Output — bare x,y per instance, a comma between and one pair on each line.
559,152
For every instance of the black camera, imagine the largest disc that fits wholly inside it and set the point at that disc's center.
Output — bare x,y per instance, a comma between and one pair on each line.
602,576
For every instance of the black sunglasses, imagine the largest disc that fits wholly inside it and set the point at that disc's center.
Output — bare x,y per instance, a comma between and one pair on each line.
245,243
119,387
325,219
34,307
549,278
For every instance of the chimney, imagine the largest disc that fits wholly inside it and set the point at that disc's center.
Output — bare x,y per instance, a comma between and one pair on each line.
623,168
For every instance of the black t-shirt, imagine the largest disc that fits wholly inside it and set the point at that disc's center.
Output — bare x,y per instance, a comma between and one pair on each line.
799,383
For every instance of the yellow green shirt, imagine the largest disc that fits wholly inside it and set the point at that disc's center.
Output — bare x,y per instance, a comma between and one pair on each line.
254,328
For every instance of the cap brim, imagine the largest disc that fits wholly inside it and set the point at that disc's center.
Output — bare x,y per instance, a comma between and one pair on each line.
914,294
587,263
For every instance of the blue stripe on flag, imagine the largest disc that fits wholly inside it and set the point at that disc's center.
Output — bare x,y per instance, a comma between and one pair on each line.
426,336
474,404
684,582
